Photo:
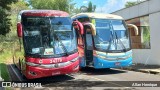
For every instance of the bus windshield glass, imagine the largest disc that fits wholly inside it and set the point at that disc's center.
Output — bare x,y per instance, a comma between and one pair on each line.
111,35
48,35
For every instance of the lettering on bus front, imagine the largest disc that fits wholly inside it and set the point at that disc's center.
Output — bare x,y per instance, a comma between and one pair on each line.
56,60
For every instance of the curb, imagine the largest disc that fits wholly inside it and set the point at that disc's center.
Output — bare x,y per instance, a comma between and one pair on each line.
140,70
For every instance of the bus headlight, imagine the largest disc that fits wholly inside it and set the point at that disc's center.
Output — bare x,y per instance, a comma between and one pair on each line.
32,64
101,54
64,64
75,59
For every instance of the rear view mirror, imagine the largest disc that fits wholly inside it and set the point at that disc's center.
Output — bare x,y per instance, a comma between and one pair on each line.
78,26
19,29
93,28
134,27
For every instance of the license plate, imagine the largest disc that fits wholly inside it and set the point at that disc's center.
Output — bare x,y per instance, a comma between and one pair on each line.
117,63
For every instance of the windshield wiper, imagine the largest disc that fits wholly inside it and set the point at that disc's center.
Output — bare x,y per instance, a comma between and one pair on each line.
57,38
63,47
110,40
120,42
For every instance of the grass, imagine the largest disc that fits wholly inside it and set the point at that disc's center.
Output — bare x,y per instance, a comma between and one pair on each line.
4,72
6,46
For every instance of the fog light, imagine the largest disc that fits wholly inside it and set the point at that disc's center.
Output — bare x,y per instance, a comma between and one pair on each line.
32,73
76,67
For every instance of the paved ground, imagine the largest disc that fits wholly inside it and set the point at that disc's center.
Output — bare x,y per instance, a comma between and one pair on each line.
90,78
152,69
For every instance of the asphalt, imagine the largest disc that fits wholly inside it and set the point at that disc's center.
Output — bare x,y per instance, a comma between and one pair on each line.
86,79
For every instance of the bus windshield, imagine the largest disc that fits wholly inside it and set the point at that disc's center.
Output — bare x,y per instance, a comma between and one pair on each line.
111,35
48,35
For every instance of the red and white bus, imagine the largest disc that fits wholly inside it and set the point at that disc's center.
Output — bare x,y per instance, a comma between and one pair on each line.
47,44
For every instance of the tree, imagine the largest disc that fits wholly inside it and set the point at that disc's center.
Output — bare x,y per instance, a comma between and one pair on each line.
63,5
90,8
4,3
4,20
129,4
15,9
18,6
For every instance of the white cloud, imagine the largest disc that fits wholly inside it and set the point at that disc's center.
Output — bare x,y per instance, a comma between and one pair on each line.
85,1
112,5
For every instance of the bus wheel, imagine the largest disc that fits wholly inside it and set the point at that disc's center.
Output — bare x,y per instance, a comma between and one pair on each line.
81,68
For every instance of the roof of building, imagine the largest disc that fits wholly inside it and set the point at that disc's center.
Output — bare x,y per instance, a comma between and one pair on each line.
97,15
44,13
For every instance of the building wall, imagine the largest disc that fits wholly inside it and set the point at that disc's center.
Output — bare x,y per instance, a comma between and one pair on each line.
146,56
155,38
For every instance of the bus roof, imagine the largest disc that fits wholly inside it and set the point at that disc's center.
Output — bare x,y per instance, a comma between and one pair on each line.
97,15
44,13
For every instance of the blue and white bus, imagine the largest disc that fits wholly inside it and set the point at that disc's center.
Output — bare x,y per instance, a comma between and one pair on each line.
103,40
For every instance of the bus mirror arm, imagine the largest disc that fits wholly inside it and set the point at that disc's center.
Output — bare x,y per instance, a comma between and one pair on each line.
135,28
93,28
19,29
78,26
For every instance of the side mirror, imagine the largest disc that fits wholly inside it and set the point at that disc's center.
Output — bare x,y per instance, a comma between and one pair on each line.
134,27
19,29
93,28
78,26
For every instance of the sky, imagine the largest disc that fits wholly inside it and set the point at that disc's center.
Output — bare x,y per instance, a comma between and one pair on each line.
103,6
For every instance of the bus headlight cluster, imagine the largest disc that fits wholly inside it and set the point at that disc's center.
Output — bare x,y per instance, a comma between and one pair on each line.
75,59
115,56
32,64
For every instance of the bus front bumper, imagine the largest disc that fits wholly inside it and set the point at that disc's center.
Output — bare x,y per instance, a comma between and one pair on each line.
38,72
102,63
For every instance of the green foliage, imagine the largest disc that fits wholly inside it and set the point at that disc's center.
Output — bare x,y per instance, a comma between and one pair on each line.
18,6
146,34
4,20
4,3
91,8
63,5
129,4
7,42
4,72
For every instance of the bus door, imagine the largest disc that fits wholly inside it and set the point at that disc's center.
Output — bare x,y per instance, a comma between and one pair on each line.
88,46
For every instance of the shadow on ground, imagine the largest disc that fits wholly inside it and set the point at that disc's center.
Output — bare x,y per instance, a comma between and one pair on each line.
92,71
